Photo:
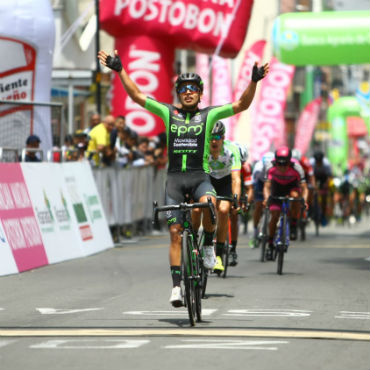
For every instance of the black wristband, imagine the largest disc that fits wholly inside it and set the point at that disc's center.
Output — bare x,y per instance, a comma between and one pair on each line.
114,63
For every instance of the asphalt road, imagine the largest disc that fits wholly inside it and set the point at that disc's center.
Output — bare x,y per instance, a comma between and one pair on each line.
111,310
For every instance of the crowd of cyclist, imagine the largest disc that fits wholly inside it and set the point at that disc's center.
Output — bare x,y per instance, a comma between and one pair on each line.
284,172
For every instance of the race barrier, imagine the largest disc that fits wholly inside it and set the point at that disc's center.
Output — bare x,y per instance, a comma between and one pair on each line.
49,212
127,194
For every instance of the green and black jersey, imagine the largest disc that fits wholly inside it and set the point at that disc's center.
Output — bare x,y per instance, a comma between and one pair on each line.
188,133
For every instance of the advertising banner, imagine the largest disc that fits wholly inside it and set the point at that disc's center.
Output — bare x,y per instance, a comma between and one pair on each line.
338,112
7,262
27,43
87,208
53,210
306,125
222,88
187,24
268,120
202,69
251,55
18,219
322,38
152,71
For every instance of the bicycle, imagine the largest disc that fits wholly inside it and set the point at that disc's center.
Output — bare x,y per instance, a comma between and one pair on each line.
281,240
227,246
191,255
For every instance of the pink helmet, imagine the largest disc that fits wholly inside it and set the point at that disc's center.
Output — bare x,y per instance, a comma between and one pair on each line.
283,155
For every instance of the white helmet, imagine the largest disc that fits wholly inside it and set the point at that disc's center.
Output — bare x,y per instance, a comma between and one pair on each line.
243,152
267,158
296,153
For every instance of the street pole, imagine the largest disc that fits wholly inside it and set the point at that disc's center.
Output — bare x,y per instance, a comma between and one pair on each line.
98,70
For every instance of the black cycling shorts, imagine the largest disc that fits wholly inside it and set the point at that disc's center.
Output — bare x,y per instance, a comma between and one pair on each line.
195,184
222,186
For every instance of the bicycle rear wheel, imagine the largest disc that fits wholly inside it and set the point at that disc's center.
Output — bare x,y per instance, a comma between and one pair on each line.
187,267
281,247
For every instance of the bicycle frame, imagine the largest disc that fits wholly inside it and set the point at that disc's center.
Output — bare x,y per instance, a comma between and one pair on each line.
191,261
281,240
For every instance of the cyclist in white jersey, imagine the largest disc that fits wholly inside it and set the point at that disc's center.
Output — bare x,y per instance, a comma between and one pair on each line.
224,163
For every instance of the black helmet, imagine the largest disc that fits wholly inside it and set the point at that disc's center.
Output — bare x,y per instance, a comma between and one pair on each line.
218,129
318,155
189,77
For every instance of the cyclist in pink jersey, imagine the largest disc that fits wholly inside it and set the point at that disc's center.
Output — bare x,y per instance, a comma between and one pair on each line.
285,177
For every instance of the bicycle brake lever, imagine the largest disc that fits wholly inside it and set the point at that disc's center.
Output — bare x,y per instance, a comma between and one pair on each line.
212,210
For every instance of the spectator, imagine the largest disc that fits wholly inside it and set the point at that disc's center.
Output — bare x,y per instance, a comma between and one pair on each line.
67,148
144,156
32,142
99,144
94,121
80,140
160,151
124,155
120,124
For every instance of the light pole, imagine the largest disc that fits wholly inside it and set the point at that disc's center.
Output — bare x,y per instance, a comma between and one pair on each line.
98,70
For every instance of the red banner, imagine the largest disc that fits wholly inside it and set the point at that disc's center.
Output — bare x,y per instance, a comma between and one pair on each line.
18,219
188,24
306,125
149,63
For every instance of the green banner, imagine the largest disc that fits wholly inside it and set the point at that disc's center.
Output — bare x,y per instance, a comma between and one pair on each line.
322,38
337,117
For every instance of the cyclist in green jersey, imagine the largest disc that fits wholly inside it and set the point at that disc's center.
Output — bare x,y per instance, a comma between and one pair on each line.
188,130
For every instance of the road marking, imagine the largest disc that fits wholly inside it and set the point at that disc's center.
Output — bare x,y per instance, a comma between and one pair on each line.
353,315
4,343
63,311
226,344
279,312
205,312
89,344
189,332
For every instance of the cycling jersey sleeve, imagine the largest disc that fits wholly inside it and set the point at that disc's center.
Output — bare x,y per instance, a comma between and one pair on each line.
159,109
236,163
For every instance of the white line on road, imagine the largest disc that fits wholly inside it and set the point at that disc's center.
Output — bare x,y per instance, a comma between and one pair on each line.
63,311
205,312
89,344
226,344
353,315
279,312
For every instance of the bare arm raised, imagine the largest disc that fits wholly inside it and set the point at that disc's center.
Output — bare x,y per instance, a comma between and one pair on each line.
115,64
246,99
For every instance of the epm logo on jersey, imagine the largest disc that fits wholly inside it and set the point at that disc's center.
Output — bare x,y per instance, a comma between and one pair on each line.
180,130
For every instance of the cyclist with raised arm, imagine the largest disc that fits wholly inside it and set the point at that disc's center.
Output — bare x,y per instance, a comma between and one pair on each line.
284,178
188,130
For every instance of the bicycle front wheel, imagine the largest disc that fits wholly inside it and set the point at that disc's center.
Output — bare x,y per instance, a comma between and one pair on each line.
226,257
188,275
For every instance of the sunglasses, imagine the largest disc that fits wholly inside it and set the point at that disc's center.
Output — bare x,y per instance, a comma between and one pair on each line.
185,88
216,137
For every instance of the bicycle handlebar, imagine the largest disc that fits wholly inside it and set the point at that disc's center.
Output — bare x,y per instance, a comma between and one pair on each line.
183,207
